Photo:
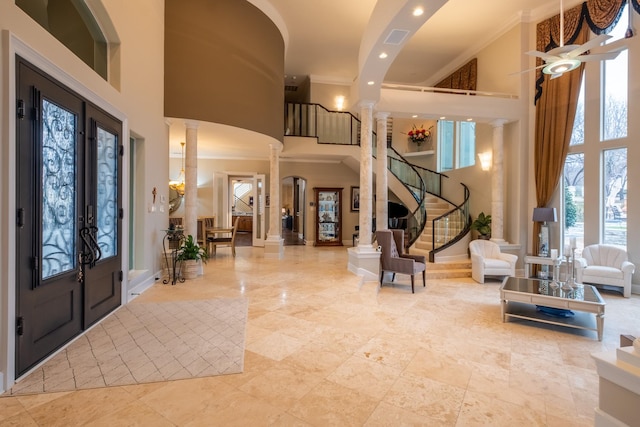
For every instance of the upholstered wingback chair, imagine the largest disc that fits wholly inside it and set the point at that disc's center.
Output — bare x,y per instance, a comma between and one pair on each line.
394,260
605,265
488,260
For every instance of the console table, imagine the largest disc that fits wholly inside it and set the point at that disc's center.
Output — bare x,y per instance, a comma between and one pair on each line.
539,260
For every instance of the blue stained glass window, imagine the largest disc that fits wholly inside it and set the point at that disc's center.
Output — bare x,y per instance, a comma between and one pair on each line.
58,190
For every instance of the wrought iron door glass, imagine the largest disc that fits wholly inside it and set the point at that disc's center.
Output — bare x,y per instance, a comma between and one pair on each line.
107,201
58,190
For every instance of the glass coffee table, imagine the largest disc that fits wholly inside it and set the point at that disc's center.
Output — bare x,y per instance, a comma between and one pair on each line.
543,301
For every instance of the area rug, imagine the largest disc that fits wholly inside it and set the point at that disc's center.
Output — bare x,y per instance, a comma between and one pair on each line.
149,342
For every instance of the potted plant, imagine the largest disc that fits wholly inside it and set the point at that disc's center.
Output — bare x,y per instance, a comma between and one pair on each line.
190,255
482,225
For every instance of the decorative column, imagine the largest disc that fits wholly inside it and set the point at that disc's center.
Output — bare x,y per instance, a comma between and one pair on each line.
364,260
382,180
497,182
366,177
274,245
191,179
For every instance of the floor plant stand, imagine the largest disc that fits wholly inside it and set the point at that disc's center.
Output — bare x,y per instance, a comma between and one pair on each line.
170,246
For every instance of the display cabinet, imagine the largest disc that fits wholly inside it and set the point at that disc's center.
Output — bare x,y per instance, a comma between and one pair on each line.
328,216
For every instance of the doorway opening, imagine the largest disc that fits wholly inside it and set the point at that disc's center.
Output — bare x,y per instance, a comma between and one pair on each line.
243,206
293,199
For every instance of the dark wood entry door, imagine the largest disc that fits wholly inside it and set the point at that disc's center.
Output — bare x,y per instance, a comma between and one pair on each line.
68,215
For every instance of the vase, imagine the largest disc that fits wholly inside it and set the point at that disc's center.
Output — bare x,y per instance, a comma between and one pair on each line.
190,268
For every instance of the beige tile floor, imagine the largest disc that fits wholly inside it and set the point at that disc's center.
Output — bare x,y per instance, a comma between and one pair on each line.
325,350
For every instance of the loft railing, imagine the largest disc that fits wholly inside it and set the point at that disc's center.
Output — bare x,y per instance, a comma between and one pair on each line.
330,127
343,128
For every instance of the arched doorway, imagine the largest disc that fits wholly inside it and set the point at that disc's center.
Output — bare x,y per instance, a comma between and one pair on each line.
293,202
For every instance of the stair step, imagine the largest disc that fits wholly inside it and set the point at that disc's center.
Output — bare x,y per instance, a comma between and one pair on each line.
447,274
453,265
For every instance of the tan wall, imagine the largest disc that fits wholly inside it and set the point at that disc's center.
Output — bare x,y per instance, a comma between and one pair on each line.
498,60
224,64
325,94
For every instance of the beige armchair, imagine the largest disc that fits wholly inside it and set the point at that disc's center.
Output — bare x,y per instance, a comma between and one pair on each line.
605,265
488,260
394,260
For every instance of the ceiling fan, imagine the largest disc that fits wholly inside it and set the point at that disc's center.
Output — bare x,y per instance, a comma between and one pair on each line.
563,58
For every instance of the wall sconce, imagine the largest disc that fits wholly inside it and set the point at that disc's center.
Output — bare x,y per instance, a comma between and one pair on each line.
485,160
339,102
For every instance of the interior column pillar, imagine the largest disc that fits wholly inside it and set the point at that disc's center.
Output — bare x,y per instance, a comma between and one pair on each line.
191,180
364,259
497,182
274,244
382,180
366,175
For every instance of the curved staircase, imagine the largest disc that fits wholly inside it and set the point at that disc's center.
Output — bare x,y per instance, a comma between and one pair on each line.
435,226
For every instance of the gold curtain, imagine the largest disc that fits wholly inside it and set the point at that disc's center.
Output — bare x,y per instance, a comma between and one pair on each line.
555,114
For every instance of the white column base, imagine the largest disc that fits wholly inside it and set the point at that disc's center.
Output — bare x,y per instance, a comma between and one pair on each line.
364,261
274,248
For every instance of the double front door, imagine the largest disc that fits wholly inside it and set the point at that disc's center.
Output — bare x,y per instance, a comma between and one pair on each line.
68,215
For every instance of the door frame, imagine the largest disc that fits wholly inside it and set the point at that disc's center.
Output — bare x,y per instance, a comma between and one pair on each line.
260,210
16,47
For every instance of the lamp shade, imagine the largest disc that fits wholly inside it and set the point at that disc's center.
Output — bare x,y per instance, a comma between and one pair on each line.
544,215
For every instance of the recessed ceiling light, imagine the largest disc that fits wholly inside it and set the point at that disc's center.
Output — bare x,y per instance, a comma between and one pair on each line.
442,118
415,116
383,55
418,11
370,83
469,119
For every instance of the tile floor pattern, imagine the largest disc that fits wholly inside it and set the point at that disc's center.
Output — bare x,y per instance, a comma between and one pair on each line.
324,349
149,342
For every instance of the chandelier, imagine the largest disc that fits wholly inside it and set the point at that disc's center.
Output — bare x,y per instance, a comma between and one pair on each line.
178,184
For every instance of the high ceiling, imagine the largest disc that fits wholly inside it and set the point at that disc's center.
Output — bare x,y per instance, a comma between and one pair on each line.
324,39
325,36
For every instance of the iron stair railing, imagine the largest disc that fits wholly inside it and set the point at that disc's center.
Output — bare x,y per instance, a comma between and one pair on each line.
451,226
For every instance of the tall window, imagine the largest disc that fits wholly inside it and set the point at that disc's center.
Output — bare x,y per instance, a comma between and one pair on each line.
456,145
574,198
614,97
595,171
614,196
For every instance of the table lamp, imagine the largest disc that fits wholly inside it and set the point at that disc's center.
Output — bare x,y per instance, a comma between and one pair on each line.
544,215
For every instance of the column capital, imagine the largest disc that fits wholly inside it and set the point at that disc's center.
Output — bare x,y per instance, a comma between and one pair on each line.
498,123
382,115
366,103
276,146
191,124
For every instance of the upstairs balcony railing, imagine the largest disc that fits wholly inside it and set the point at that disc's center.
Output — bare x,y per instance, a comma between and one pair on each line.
343,128
330,127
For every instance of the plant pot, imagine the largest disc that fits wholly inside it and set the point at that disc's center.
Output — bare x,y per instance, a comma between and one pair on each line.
190,268
484,236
